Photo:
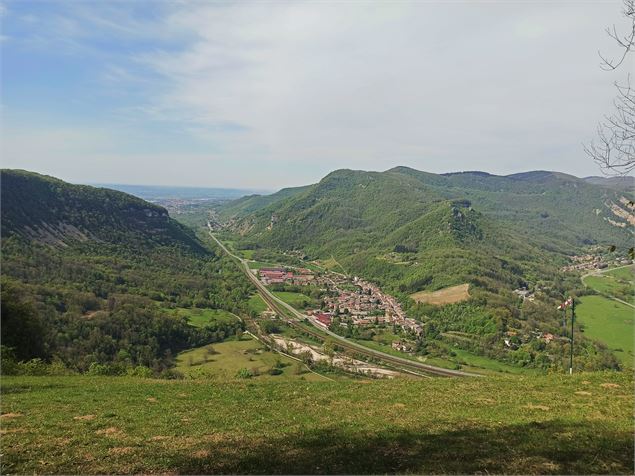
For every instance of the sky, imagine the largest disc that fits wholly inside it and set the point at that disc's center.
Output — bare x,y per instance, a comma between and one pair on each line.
270,94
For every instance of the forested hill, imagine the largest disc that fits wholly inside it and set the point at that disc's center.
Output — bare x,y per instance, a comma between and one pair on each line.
98,279
552,210
414,230
48,210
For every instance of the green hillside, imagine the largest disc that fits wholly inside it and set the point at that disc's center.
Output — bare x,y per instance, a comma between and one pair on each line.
48,210
411,231
496,425
251,203
92,279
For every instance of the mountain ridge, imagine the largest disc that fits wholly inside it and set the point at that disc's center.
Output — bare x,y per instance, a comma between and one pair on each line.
49,210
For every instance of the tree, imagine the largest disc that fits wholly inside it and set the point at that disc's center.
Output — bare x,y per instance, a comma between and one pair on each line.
614,148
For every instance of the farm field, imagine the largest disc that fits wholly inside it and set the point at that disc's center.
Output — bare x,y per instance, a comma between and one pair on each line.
443,296
610,322
229,357
580,424
297,300
261,264
202,317
619,283
626,273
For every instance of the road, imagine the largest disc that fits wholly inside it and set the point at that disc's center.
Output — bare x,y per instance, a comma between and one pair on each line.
276,302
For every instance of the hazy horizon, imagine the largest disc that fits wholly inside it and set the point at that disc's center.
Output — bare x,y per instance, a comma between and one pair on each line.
261,190
270,95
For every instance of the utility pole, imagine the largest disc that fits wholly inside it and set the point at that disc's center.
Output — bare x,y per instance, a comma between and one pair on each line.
572,319
564,334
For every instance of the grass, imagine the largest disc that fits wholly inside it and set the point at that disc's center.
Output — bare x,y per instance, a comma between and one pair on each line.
618,283
231,356
443,296
626,273
247,254
261,264
468,361
297,300
610,322
580,424
475,362
332,264
202,317
256,304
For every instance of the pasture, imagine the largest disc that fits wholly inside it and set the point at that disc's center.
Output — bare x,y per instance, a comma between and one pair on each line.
618,282
297,300
202,317
224,360
610,322
443,296
554,424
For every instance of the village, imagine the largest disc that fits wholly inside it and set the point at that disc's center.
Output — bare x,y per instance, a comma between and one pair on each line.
591,261
352,300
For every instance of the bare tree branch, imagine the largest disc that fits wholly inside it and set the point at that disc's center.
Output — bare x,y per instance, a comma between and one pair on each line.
614,148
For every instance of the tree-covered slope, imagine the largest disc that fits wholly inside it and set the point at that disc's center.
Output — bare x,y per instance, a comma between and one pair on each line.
350,211
251,203
551,209
49,210
362,217
91,276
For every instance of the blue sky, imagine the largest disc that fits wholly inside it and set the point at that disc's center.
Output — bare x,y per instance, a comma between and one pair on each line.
272,94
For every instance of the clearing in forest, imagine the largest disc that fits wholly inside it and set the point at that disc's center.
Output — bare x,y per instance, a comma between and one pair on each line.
448,295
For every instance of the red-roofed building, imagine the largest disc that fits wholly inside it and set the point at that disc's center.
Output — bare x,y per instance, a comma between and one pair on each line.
323,318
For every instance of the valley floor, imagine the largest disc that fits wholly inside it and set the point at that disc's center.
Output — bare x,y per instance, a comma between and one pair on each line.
552,424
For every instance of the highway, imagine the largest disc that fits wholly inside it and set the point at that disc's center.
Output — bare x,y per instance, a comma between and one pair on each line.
283,308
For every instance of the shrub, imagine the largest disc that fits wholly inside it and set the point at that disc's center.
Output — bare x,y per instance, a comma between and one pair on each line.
140,371
244,373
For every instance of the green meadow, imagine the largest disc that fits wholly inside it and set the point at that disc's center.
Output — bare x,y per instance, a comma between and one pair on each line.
618,283
261,264
224,361
256,304
202,317
610,322
556,424
297,300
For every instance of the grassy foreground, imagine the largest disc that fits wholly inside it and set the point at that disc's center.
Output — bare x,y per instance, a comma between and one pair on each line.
512,424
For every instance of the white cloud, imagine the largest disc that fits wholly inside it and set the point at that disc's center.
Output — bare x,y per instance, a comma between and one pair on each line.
320,85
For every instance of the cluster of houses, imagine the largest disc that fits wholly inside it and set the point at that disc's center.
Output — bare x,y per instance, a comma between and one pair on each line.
585,263
364,306
589,262
547,337
299,276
